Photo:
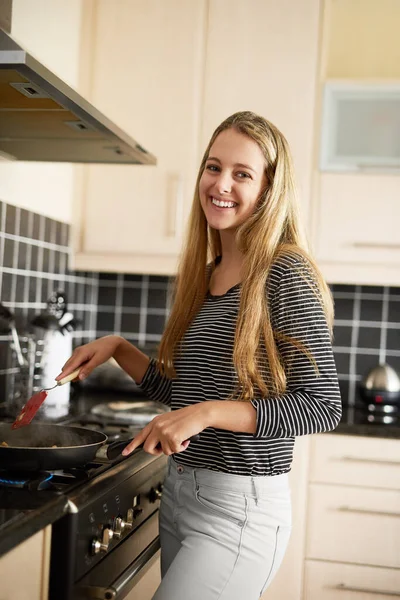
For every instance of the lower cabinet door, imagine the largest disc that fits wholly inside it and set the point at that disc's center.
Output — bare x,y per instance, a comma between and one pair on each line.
338,581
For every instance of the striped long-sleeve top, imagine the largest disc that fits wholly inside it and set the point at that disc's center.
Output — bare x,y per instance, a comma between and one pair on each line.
205,371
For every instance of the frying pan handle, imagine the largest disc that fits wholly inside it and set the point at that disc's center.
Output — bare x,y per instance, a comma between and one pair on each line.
115,448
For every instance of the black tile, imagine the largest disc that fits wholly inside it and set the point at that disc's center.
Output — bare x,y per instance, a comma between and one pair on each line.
369,337
344,308
105,321
34,258
393,339
46,260
6,287
394,311
339,287
131,277
394,291
57,261
8,253
342,361
131,297
371,310
158,279
342,335
107,296
394,362
344,391
157,298
366,362
11,212
4,355
20,287
32,289
24,223
36,227
155,324
59,233
130,323
107,277
65,233
372,289
47,229
22,251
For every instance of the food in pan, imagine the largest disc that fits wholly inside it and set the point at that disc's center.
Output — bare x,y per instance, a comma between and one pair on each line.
4,444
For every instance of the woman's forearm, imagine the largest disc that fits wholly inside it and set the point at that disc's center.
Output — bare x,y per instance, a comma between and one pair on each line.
131,359
230,415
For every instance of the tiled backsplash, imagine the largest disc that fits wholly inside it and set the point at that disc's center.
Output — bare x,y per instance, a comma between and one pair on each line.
34,253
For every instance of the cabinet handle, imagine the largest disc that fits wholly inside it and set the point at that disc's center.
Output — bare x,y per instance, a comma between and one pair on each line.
368,512
371,460
383,245
349,588
176,219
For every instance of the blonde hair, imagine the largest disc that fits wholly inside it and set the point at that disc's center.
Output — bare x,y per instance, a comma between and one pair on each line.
273,229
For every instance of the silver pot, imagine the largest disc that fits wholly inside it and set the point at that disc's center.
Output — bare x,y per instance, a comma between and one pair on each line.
381,385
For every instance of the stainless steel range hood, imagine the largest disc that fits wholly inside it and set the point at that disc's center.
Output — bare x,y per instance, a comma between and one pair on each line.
43,119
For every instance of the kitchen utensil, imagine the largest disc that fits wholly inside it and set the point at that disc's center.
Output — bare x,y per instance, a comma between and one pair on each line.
115,448
381,385
41,446
34,403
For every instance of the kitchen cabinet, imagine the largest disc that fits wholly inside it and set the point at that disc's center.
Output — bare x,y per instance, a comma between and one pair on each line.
146,74
353,526
169,73
355,215
24,570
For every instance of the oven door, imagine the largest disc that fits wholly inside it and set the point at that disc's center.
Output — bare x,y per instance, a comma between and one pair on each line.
140,579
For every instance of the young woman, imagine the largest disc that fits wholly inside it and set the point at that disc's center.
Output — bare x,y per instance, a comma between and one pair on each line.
245,361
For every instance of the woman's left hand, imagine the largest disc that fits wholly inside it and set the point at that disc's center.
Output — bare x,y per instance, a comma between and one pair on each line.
169,433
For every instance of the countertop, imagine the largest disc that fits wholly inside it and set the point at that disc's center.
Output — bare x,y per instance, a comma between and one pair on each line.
17,523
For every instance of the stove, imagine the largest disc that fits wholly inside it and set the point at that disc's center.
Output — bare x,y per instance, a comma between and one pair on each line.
108,535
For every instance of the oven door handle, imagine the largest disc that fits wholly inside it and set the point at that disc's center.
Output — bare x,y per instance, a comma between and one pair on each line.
125,582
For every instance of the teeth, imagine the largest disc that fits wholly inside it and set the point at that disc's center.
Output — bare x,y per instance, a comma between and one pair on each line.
222,204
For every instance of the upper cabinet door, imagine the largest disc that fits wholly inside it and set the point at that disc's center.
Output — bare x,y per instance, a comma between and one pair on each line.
262,56
147,65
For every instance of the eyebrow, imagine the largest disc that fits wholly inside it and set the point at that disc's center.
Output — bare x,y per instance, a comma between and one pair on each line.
235,165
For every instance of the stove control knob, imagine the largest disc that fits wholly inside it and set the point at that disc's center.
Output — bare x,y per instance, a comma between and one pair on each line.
102,546
155,493
118,527
129,519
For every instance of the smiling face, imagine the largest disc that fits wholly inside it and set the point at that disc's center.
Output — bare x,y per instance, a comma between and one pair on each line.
232,181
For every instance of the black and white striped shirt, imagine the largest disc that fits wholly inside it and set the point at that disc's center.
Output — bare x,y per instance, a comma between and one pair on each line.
205,371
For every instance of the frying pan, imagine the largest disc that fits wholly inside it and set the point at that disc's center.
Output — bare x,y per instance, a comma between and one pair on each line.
30,448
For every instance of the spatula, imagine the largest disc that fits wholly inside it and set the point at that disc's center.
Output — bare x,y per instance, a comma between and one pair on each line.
30,409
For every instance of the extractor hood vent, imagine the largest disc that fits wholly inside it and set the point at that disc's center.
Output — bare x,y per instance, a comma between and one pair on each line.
43,119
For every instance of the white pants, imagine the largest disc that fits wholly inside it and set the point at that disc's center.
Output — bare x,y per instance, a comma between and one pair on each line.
222,536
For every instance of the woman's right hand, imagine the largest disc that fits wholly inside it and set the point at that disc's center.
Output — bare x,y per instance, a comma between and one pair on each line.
91,355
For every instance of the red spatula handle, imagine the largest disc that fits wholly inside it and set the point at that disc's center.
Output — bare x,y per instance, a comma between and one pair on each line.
29,410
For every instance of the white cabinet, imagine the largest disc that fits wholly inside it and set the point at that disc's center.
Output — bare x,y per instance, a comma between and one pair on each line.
147,76
338,581
24,570
355,230
168,72
262,56
353,520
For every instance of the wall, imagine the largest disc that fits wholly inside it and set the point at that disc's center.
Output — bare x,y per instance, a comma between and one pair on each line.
50,30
